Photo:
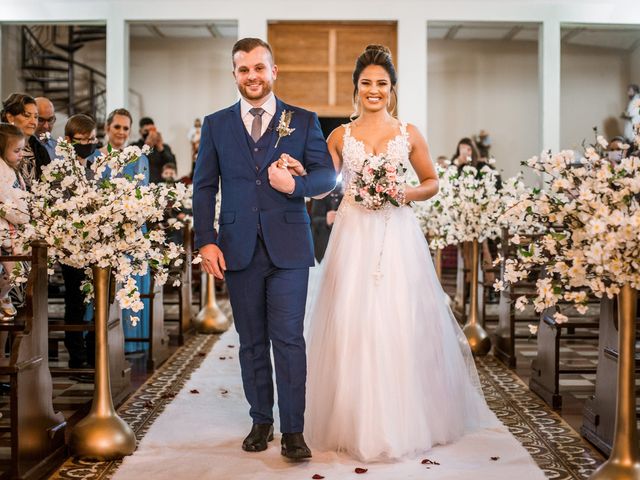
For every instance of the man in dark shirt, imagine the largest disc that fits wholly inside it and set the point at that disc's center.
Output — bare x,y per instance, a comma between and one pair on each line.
160,152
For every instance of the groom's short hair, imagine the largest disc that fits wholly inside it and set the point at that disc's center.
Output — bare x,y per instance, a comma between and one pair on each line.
248,44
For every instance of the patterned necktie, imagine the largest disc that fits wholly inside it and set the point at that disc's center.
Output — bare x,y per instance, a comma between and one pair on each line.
256,125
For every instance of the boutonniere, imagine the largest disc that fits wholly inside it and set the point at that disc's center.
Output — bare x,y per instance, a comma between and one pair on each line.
45,137
283,128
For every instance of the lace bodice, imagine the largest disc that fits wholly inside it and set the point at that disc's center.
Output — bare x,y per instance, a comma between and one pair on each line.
354,152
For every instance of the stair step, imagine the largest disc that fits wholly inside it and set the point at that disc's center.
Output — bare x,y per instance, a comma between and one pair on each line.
47,80
57,89
45,68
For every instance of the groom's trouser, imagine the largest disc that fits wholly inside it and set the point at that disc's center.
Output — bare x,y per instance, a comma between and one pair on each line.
268,308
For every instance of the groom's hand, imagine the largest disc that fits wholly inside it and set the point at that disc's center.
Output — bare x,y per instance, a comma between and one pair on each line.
213,260
281,179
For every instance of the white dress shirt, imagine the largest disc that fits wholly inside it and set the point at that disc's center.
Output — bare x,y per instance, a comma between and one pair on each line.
269,107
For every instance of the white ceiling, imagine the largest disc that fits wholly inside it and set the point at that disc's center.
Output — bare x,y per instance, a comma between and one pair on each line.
218,29
622,37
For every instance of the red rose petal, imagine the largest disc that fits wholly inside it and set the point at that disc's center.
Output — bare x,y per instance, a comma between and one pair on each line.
426,461
495,459
223,391
361,470
223,358
194,391
317,477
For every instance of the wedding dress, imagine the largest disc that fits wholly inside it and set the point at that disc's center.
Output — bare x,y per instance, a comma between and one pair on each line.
390,373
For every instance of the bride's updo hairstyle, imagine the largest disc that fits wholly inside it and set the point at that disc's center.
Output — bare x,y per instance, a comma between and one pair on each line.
374,55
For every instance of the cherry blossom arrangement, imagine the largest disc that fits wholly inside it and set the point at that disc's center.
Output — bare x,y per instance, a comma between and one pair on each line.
100,216
590,218
465,208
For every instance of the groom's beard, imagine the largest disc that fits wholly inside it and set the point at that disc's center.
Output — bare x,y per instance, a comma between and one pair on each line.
264,91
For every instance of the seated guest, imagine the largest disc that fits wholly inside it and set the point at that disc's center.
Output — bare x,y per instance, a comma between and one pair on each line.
14,207
21,110
46,121
160,152
617,149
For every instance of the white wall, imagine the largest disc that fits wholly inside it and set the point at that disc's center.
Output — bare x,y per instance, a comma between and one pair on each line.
180,79
491,85
634,66
593,93
10,60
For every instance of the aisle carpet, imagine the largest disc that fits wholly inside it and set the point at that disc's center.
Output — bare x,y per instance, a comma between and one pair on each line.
197,433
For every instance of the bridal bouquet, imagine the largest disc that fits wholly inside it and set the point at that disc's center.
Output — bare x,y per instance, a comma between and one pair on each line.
103,217
380,183
590,218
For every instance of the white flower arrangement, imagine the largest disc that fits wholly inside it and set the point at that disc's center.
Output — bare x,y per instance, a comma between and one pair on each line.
590,214
104,218
465,209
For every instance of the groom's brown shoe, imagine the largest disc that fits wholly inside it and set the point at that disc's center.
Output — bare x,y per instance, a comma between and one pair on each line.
294,446
259,436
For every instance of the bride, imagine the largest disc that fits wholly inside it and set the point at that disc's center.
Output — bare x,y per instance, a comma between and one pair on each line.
390,372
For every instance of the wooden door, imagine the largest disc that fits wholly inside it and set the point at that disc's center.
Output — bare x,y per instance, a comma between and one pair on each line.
316,61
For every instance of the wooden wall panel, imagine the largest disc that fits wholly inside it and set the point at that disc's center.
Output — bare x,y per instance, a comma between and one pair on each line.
316,60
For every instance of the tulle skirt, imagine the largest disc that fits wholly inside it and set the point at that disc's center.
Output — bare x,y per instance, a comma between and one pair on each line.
390,373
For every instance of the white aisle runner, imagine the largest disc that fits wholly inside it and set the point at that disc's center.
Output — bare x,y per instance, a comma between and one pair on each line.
199,436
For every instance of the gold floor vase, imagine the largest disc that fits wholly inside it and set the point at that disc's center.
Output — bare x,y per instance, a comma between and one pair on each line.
624,462
477,336
102,434
211,319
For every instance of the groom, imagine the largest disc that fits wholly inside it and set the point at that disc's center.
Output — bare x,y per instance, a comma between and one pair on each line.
263,247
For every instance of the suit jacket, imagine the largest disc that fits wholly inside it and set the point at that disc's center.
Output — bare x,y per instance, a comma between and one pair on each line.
250,206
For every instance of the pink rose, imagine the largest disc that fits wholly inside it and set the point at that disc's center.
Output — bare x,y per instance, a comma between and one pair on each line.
392,177
390,168
379,188
363,192
393,192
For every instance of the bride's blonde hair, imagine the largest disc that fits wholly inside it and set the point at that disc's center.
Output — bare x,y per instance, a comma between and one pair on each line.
374,55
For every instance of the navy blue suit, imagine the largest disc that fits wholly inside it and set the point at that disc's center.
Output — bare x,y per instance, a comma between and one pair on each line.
265,237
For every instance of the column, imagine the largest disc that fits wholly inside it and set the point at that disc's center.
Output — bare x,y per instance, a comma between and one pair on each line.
117,63
412,71
549,46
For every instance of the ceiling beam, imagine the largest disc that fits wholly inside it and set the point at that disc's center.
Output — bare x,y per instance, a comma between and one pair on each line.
574,32
213,30
452,32
510,35
155,30
634,46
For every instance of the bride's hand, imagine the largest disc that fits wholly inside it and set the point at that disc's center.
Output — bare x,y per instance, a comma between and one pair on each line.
293,165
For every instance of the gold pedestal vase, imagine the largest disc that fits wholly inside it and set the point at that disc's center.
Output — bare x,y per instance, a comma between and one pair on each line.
624,461
477,336
438,263
102,434
211,319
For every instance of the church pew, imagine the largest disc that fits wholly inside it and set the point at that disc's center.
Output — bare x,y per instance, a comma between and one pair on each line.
158,339
599,413
546,367
37,432
504,336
